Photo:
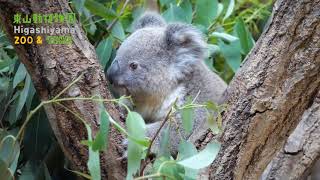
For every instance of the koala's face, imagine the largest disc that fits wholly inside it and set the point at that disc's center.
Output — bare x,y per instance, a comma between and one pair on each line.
154,59
142,64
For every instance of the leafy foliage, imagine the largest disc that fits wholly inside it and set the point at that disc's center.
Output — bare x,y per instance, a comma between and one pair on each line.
230,26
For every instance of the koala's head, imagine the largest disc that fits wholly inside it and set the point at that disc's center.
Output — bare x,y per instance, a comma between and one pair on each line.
156,57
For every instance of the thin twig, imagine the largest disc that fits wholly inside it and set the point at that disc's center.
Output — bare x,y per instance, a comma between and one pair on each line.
69,85
144,164
31,113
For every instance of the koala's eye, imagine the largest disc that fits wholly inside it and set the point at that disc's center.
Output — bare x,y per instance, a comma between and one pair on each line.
133,65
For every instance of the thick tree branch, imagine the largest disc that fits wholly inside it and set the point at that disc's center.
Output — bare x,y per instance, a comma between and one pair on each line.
268,95
52,68
302,149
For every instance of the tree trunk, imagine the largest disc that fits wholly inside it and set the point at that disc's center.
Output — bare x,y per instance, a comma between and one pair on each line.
301,151
268,95
52,68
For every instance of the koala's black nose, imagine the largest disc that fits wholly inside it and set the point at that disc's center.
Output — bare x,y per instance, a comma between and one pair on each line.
112,72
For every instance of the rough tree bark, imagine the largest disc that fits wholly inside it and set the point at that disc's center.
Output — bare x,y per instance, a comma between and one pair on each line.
301,151
52,68
267,97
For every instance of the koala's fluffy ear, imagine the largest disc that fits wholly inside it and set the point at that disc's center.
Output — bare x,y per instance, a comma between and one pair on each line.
149,19
188,45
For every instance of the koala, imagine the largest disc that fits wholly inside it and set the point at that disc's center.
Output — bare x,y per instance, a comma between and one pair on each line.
160,64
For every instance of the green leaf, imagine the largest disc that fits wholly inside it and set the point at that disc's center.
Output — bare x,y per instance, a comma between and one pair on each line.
244,35
143,142
186,6
220,9
166,2
203,158
186,150
181,13
187,117
229,9
4,84
117,126
215,117
224,36
79,5
212,105
94,159
136,125
206,12
6,63
169,168
23,95
164,143
9,152
213,125
117,31
20,75
137,129
174,14
46,172
99,9
101,140
5,60
232,53
104,50
31,93
213,49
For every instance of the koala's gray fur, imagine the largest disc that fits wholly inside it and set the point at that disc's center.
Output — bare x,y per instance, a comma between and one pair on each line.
169,66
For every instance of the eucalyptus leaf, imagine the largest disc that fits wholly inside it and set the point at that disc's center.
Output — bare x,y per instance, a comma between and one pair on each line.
137,129
164,143
206,12
186,150
224,36
79,5
20,75
99,9
220,9
94,158
213,125
203,158
166,2
213,50
232,53
169,168
117,31
244,35
181,13
187,117
101,140
229,10
104,50
186,6
9,152
175,14
31,93
23,95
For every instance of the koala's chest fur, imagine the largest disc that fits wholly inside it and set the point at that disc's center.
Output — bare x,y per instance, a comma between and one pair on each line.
156,107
